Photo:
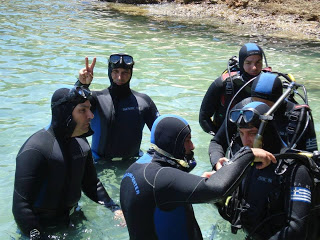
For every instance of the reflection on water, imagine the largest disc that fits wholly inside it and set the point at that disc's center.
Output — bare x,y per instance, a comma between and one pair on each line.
43,45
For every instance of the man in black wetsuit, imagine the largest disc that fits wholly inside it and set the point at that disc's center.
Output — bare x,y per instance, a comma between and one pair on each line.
157,191
54,165
294,122
275,202
221,91
120,112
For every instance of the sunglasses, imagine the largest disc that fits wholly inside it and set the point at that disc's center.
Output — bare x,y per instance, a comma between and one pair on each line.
75,94
120,58
248,115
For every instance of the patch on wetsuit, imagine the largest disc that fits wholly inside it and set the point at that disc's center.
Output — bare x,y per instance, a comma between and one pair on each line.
300,194
134,182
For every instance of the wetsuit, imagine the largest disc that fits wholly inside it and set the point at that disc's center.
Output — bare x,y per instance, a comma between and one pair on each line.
218,145
147,188
274,202
275,206
118,123
215,103
52,168
222,90
120,115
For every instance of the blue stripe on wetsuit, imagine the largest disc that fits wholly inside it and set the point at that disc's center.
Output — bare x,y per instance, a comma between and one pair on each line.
171,225
95,126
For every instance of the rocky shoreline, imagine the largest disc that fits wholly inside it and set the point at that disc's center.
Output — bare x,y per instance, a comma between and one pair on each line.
296,20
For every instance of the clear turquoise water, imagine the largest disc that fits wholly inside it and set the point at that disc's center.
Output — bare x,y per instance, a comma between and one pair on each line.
43,45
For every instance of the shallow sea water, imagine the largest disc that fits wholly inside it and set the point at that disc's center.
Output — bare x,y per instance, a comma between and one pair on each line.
43,45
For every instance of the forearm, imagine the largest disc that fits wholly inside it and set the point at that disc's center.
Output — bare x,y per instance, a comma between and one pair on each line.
216,151
224,181
79,84
23,215
206,122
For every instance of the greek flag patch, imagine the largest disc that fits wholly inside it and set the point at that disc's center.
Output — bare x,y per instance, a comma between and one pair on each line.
300,194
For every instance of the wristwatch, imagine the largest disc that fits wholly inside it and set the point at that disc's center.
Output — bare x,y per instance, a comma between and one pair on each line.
35,234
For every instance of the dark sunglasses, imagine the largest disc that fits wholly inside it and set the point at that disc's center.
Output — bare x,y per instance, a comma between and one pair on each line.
119,58
79,93
248,115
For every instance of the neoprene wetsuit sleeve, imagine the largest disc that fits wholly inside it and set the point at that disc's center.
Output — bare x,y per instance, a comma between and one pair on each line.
93,188
299,208
210,105
173,187
151,114
30,170
308,141
218,146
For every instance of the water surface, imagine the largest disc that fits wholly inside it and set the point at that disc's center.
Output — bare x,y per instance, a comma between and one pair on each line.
43,45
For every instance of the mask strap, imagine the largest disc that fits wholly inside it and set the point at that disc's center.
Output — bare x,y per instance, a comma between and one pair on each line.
164,153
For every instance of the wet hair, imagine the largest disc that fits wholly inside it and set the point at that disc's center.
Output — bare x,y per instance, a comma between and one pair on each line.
267,86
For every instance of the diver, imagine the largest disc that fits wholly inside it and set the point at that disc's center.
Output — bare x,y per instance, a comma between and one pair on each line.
120,112
218,96
157,191
275,202
54,165
294,122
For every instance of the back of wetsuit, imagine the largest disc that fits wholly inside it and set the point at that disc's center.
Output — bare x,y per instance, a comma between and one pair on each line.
171,223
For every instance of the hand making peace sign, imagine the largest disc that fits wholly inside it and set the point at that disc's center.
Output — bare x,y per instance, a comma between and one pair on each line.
86,74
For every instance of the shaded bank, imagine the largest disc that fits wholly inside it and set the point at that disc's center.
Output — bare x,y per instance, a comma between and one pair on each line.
289,19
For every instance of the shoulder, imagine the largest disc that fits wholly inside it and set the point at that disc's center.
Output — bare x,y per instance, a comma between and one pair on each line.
41,142
219,82
142,97
139,94
100,92
301,174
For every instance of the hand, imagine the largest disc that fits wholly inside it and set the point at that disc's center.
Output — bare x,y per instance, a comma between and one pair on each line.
263,157
208,174
86,74
221,162
118,215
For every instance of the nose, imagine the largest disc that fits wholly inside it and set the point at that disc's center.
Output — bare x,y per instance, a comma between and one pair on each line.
90,114
247,141
192,147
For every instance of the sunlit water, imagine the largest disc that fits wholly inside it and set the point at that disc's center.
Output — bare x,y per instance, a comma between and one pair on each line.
43,45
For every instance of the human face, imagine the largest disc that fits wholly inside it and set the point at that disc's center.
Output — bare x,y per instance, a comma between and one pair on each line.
188,145
82,115
253,65
120,76
248,135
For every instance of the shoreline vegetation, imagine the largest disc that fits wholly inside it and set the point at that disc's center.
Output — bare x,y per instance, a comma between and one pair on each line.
297,20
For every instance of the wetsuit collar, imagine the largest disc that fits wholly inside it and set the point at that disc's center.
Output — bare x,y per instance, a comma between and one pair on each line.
168,155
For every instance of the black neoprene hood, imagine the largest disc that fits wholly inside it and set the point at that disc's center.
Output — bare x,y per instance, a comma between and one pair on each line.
169,133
